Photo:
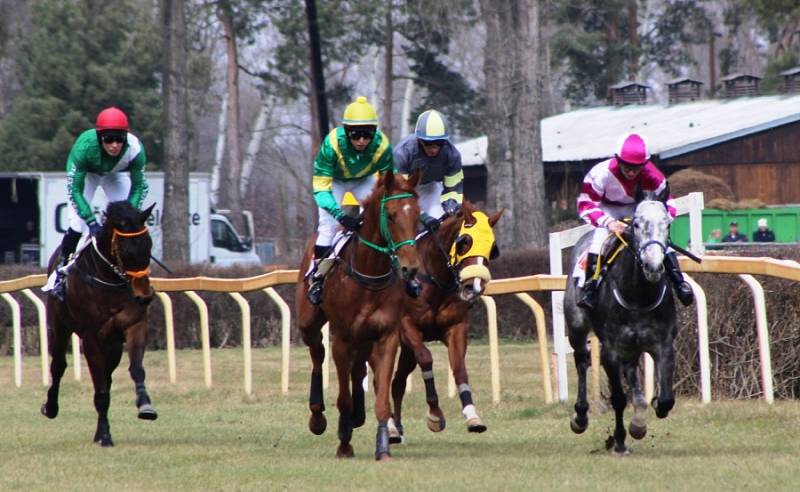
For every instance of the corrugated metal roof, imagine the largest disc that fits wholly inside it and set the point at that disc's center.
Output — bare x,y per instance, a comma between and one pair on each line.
589,134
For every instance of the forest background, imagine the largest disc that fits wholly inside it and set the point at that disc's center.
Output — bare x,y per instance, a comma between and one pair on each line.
227,86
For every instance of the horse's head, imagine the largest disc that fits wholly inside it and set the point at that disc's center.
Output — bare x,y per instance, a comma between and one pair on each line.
393,209
471,251
651,222
130,244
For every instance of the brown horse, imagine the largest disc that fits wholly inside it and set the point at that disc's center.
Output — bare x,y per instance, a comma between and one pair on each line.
108,291
455,272
362,301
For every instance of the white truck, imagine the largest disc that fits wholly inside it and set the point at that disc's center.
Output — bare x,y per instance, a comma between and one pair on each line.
33,219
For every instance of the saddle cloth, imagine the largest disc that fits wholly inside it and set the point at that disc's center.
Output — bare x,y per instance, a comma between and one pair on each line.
340,240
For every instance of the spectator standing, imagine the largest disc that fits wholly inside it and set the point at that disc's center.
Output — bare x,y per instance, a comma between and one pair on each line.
763,234
734,236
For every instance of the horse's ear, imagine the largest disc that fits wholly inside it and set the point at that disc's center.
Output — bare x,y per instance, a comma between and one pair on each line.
664,195
494,218
638,194
146,213
388,179
413,181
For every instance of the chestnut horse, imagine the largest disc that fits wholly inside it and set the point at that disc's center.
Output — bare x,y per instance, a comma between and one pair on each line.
455,272
362,301
108,291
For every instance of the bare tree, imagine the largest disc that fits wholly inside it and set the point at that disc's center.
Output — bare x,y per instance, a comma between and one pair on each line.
512,60
174,123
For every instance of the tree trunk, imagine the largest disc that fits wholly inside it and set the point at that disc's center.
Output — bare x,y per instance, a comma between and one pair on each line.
319,103
175,118
633,38
513,84
386,125
231,198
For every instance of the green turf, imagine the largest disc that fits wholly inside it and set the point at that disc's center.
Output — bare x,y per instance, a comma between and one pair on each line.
220,439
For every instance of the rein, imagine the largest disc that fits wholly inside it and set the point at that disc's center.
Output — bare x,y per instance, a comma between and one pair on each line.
116,267
637,260
452,284
380,282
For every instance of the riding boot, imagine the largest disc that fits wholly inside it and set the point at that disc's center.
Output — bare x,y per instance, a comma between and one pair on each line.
318,277
682,288
68,245
588,292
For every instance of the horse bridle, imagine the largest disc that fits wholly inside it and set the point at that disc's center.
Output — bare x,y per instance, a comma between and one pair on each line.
378,282
117,266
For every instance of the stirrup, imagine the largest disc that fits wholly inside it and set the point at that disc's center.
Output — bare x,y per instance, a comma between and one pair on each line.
314,294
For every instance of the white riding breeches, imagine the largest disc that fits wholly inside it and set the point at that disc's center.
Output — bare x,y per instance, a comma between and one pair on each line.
328,225
430,198
116,186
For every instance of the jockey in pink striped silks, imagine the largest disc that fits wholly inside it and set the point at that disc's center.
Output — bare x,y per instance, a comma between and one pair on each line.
608,194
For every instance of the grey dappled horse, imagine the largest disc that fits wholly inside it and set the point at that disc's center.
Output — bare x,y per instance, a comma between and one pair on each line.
635,314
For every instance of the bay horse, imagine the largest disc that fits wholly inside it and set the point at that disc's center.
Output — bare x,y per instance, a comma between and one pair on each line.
635,314
108,292
455,261
362,301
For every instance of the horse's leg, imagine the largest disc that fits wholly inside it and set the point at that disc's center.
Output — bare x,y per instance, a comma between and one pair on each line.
343,357
357,379
665,362
580,421
618,400
58,350
136,339
457,351
638,425
101,380
405,366
311,331
382,362
412,336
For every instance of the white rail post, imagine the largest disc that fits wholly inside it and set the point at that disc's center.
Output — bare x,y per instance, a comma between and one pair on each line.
169,325
43,348
205,335
760,305
541,334
494,348
702,339
559,330
247,348
286,320
17,328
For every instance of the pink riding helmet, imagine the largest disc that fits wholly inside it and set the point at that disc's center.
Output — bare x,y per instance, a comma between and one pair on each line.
633,150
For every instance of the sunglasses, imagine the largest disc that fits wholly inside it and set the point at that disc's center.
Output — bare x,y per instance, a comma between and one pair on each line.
433,143
111,139
359,134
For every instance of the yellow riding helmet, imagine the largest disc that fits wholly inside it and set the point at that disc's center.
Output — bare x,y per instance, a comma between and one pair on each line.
360,113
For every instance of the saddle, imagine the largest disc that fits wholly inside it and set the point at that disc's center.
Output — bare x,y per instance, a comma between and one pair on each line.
321,268
612,246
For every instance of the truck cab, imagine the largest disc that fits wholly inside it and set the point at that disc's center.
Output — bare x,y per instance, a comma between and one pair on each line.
227,246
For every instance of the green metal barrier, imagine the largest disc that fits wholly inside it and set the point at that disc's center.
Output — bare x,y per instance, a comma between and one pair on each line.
783,221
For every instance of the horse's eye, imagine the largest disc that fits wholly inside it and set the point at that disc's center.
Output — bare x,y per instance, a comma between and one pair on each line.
390,217
636,225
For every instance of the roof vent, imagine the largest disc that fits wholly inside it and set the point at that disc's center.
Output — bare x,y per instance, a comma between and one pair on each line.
740,85
683,89
791,80
625,93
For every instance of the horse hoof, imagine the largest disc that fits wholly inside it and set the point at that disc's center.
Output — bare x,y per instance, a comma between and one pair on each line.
49,412
384,457
435,424
147,412
475,424
317,423
395,434
105,442
662,411
576,427
637,431
620,453
344,451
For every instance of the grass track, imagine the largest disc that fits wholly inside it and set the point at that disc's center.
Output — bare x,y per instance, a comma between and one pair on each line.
219,439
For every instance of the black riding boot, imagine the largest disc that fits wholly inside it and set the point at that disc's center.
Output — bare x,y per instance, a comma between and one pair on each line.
317,278
68,245
682,288
588,292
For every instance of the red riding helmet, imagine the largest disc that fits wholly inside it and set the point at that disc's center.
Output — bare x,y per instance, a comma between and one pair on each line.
111,119
633,150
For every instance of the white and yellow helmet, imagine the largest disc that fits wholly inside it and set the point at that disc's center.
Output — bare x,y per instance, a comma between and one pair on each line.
431,126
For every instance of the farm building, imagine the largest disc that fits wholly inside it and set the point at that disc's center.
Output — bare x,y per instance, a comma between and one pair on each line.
752,143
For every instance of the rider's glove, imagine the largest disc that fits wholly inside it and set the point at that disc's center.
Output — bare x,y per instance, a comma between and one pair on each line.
94,228
430,223
349,222
450,206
